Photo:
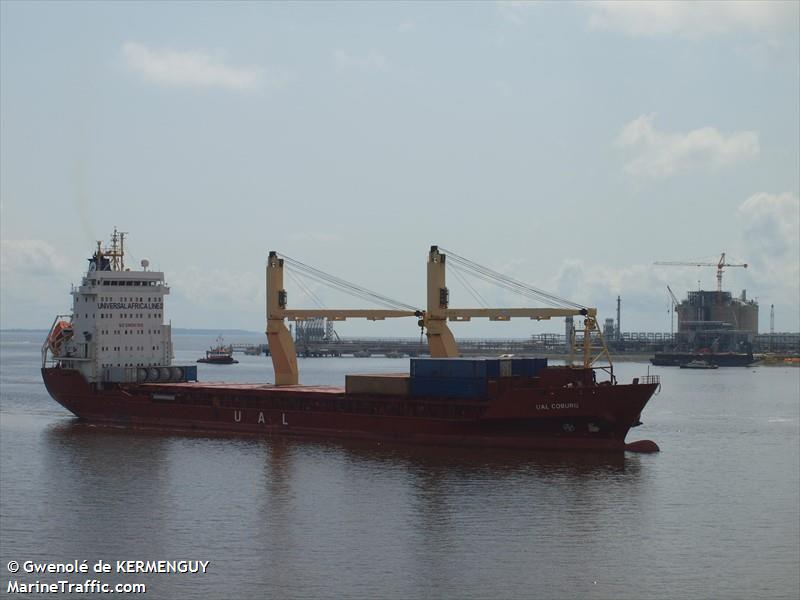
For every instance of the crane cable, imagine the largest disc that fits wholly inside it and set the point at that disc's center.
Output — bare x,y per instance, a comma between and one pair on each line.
347,287
305,289
469,287
509,283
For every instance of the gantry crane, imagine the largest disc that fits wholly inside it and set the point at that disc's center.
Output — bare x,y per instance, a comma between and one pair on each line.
720,264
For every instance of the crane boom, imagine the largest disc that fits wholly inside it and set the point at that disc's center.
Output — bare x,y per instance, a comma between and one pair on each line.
672,295
719,265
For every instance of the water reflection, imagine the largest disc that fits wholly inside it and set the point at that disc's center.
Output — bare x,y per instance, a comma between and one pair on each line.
714,515
108,482
368,516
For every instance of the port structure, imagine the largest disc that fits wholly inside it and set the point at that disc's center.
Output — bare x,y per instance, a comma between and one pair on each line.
434,320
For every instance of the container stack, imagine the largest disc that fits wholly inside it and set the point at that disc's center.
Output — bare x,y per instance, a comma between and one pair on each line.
466,377
451,377
527,367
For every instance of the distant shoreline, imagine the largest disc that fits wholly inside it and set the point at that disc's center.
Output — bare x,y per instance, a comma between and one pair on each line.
180,330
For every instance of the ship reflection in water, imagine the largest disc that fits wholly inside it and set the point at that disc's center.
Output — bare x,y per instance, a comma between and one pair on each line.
358,517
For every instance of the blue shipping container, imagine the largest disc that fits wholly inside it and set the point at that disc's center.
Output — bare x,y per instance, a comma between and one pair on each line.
471,388
449,368
527,367
523,367
492,367
190,372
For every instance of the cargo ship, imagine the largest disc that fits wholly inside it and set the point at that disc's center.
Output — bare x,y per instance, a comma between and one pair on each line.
110,362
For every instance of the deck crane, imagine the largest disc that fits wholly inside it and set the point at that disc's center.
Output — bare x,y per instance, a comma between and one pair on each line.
440,338
281,345
441,341
719,265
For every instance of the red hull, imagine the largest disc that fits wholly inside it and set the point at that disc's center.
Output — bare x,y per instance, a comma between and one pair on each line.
594,417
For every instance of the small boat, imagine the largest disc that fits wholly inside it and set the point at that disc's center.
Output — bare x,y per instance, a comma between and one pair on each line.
219,354
699,364
362,354
394,355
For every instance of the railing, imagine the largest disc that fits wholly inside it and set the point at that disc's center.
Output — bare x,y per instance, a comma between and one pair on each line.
649,379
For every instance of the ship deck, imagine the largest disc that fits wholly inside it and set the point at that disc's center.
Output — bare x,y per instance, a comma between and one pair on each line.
243,387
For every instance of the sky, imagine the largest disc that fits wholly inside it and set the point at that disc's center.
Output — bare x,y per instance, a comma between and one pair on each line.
567,145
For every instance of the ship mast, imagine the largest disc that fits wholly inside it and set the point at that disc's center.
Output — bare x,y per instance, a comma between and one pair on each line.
116,252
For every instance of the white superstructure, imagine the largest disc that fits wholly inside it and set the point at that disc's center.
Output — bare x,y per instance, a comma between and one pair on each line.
116,331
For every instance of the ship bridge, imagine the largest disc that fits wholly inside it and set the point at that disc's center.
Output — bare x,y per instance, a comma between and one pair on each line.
117,321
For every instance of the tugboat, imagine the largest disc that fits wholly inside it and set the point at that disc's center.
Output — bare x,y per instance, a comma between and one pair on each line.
111,363
219,354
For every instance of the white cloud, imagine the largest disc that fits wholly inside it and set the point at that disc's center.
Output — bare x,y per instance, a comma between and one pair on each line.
172,67
771,239
371,60
695,19
767,239
772,221
643,286
658,154
29,272
35,258
240,292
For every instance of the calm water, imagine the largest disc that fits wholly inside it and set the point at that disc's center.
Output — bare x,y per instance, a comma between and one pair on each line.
715,515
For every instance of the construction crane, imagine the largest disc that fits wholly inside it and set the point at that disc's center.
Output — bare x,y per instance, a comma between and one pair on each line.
720,264
675,303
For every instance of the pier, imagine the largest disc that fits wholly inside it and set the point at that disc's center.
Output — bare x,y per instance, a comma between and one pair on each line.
536,345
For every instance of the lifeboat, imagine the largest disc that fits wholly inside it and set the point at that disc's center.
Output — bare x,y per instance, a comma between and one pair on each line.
60,333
